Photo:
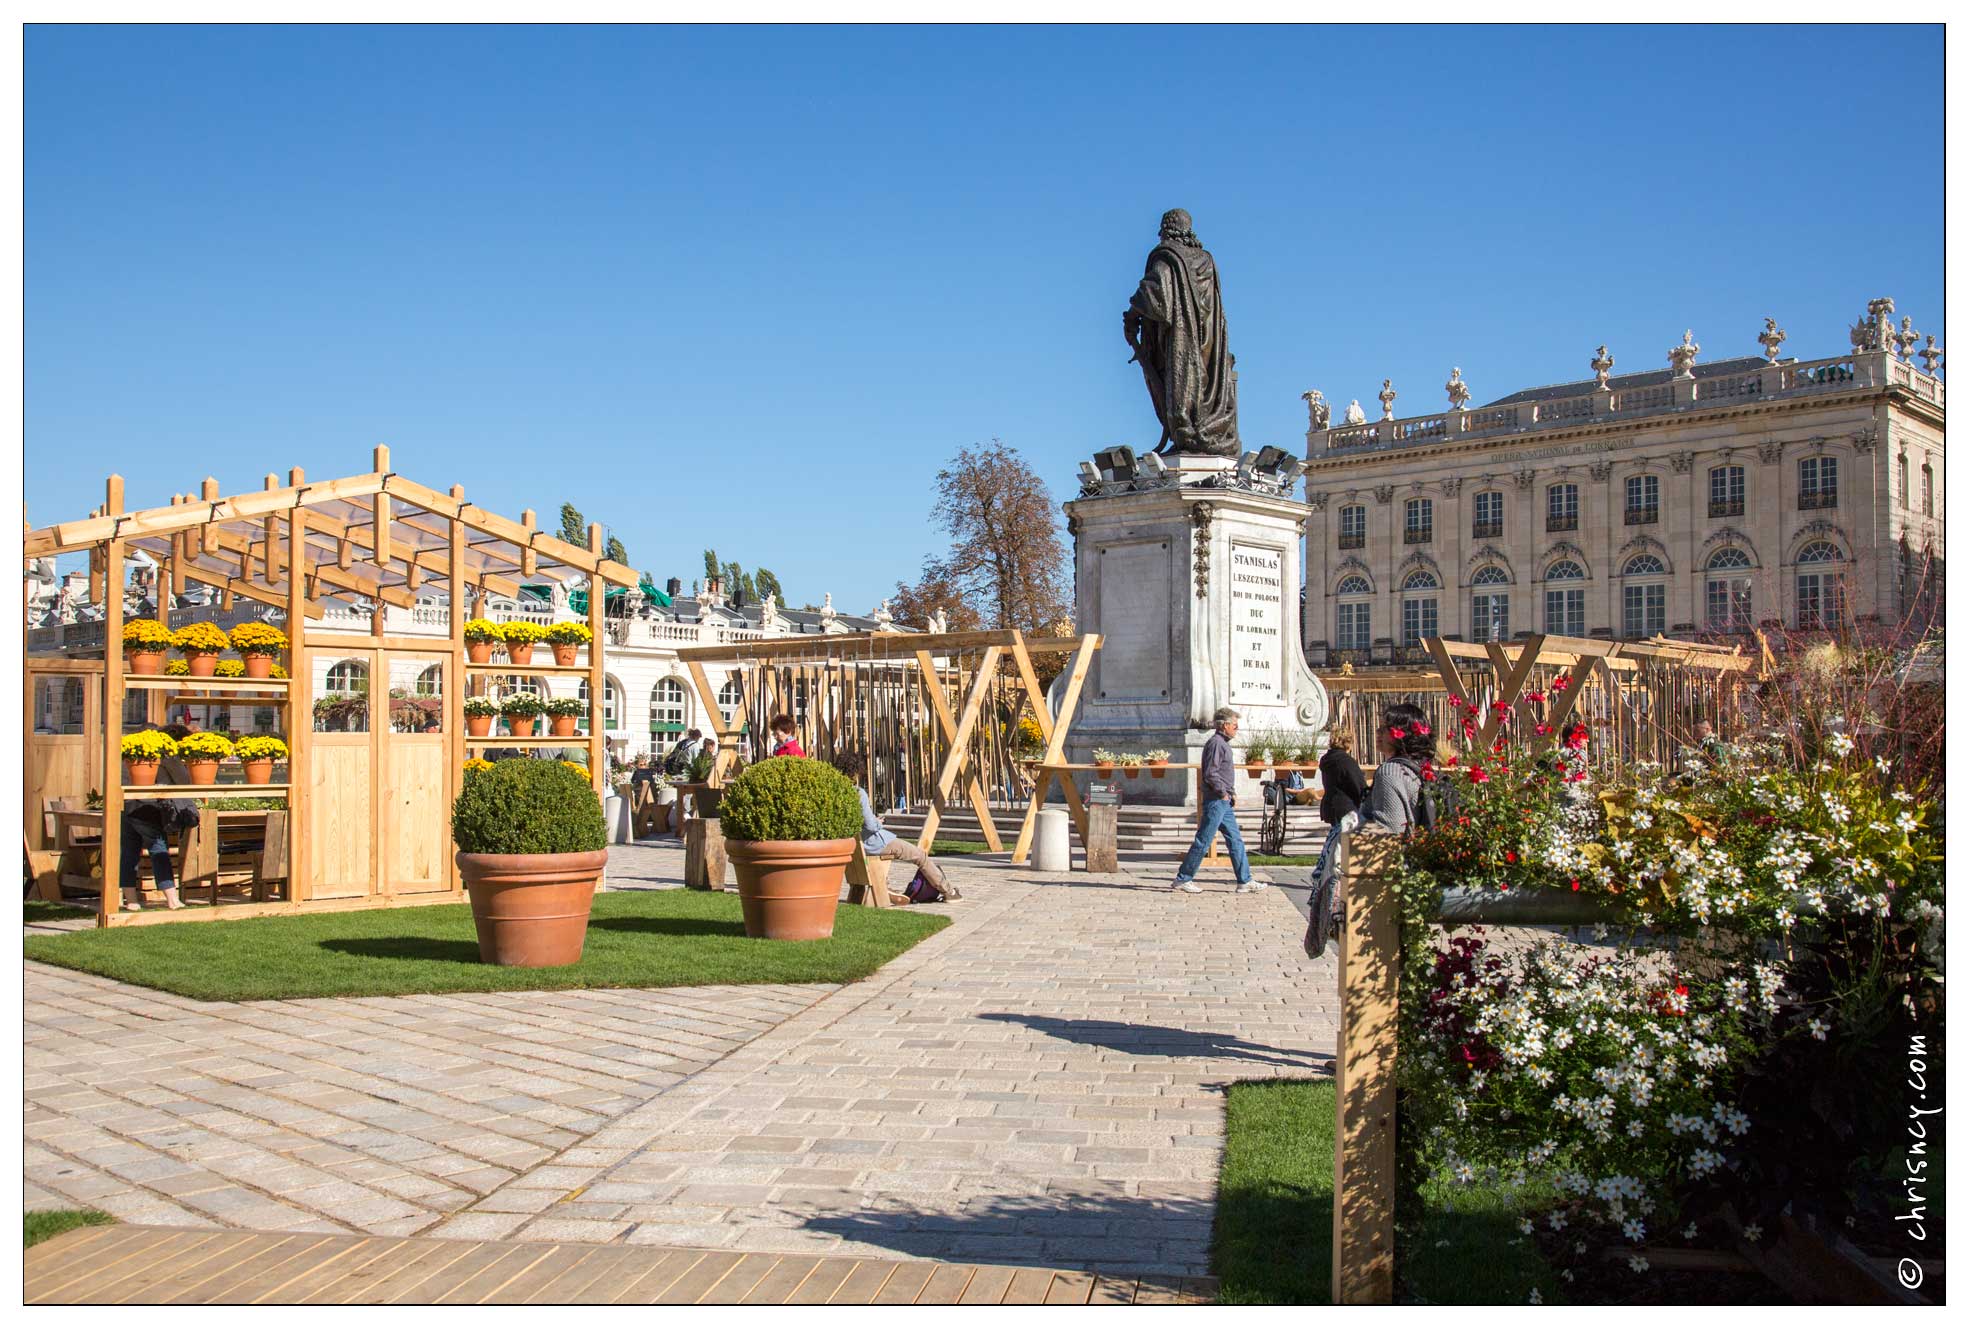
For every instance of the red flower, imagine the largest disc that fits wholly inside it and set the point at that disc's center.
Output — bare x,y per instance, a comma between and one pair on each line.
1501,707
1428,771
1422,729
1575,883
1455,700
1510,855
1562,682
1397,733
1542,730
1478,775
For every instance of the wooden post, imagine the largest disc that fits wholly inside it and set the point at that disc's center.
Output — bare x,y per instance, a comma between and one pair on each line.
1056,743
1364,1077
208,535
458,685
380,545
704,854
528,560
979,803
597,675
1103,837
112,896
300,710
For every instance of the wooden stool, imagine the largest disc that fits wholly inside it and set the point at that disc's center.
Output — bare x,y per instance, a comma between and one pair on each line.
704,854
868,879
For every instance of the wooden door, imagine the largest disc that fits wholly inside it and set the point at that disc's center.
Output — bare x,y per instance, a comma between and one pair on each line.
415,785
341,774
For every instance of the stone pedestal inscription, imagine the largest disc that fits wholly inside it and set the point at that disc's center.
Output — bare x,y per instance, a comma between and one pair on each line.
1257,586
1135,589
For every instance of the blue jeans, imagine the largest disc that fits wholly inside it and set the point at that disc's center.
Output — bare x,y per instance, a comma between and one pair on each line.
143,834
1217,815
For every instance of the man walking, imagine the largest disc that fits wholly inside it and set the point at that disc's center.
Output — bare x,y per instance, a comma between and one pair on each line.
1215,789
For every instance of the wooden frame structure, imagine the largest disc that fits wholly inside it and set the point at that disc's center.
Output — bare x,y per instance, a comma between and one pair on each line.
820,679
377,536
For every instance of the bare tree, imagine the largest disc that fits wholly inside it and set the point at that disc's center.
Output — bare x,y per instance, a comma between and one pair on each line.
913,605
1007,561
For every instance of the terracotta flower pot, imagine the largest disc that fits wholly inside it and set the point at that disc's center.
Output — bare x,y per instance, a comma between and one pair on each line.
1132,772
1104,769
564,653
144,662
202,665
1156,768
522,725
563,726
259,666
519,652
258,772
478,652
204,770
1254,769
789,888
140,772
531,910
478,726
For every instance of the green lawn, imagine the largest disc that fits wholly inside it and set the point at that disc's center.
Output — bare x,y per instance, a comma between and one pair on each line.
1273,1243
635,939
44,911
1282,860
45,1223
956,847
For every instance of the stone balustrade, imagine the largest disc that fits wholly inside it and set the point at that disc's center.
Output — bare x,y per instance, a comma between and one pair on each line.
1799,376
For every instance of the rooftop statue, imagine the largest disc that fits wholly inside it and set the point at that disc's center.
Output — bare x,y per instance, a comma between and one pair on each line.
1175,326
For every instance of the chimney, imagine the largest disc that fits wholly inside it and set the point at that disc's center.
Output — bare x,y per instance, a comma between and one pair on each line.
674,587
714,590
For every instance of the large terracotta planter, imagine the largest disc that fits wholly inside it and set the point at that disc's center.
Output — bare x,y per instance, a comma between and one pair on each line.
144,662
563,726
140,772
259,666
789,888
531,910
519,652
203,772
258,772
478,726
478,652
564,653
522,725
203,665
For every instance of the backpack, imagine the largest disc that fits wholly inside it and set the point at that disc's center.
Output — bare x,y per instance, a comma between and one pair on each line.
920,891
1435,800
679,760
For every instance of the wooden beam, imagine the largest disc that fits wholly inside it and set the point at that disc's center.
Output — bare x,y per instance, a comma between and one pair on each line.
1055,753
1364,1077
1029,680
380,546
432,561
900,647
1510,683
458,685
300,713
948,725
1446,666
491,523
528,559
597,675
70,537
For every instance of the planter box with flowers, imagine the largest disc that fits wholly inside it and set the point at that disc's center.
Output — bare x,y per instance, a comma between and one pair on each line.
522,711
202,752
532,848
142,752
480,712
519,636
481,635
790,825
257,754
566,639
200,644
145,640
564,714
260,645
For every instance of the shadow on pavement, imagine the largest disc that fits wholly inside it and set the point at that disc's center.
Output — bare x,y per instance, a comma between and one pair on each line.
1158,1040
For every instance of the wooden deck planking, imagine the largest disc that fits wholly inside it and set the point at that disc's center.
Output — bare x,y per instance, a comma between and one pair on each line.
212,1266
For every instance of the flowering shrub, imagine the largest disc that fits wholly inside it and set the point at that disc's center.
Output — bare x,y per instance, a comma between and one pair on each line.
145,634
567,706
473,765
481,706
258,639
229,669
205,745
577,768
482,629
148,745
568,633
200,639
176,668
519,632
522,704
260,747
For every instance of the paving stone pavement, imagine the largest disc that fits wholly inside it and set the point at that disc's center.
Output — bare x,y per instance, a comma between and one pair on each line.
1040,1083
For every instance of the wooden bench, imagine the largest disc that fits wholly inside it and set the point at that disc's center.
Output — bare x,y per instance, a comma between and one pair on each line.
868,879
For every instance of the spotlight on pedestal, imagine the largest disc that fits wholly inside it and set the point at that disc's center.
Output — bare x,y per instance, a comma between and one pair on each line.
1154,465
1089,476
1245,466
1294,467
1269,459
1116,463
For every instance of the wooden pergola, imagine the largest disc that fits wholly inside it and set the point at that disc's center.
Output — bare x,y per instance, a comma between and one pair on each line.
369,812
945,679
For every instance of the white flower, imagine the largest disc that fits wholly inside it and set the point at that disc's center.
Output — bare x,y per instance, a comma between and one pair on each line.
1634,1229
1524,1226
1754,1232
1839,744
1819,1028
1689,1232
1638,1263
1557,1221
1465,1173
1535,1299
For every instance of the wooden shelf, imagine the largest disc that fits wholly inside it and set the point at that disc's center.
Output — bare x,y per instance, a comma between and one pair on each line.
509,741
242,699
549,668
204,790
153,682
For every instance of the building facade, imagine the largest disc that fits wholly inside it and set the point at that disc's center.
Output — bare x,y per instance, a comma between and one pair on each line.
1697,500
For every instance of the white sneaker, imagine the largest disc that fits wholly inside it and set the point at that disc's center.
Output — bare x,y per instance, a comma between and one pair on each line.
1240,888
1255,884
1187,887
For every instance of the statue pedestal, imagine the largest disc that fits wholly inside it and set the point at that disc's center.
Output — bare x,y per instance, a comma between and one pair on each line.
1193,581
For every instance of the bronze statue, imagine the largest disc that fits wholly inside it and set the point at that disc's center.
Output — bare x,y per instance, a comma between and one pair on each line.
1175,325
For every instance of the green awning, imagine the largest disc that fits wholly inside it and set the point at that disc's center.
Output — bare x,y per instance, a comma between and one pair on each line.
578,600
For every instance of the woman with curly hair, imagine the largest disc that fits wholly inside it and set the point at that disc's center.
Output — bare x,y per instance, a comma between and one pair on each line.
1406,744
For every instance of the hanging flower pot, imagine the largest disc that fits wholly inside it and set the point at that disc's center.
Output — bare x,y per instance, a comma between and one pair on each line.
1158,763
1132,769
1104,764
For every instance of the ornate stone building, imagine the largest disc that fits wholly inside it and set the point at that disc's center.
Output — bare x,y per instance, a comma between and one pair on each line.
1699,499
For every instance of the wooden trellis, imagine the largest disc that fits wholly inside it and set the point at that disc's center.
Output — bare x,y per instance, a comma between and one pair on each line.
931,714
369,812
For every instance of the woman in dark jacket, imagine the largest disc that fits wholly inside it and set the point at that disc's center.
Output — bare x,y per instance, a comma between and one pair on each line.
1346,787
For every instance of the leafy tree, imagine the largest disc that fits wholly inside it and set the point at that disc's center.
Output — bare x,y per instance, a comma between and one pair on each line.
936,589
1007,561
768,584
712,568
574,526
615,550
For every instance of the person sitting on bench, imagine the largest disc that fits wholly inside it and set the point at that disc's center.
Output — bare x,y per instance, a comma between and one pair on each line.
879,842
148,825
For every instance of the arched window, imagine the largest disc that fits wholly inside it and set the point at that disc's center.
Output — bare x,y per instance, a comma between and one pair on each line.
730,698
1354,585
1352,629
669,707
1490,611
348,676
1565,604
1418,606
430,683
1821,587
1643,604
611,705
1726,591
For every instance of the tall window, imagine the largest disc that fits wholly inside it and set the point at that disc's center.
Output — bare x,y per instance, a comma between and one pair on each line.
730,697
1353,527
1900,478
430,683
1562,508
1818,482
1418,607
1488,522
1351,629
1727,590
1726,491
1643,499
1421,525
1565,599
668,705
1927,490
611,710
1821,590
1490,609
349,676
1643,603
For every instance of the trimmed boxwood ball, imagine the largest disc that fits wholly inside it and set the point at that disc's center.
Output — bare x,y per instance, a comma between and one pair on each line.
790,798
527,806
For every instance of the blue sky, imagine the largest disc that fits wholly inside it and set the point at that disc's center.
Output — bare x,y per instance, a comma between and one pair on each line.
751,287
